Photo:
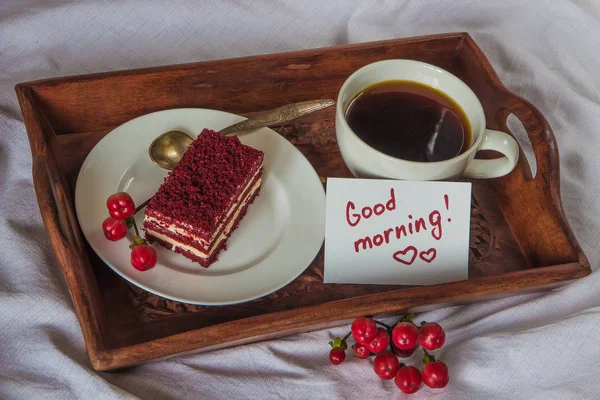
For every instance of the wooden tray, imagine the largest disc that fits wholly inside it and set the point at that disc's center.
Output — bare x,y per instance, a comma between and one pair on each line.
520,239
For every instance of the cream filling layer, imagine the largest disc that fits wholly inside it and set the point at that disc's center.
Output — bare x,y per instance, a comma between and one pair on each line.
175,244
181,231
223,235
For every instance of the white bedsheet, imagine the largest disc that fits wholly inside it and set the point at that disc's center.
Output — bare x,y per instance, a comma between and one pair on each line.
541,346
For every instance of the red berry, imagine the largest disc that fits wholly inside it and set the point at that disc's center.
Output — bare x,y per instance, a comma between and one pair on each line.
361,350
435,375
431,336
405,335
143,257
381,341
120,205
364,330
337,356
408,379
386,365
114,229
403,353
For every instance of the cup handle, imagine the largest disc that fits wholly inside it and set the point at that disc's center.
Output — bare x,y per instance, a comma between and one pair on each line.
498,141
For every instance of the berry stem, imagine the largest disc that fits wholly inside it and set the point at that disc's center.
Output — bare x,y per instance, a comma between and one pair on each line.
427,358
386,326
408,318
347,336
137,232
144,204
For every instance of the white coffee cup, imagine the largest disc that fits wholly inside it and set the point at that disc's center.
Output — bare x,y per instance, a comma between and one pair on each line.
366,162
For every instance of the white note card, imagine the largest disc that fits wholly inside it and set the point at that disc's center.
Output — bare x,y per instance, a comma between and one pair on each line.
381,231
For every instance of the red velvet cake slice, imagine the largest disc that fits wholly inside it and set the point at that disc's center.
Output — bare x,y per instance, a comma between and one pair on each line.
204,197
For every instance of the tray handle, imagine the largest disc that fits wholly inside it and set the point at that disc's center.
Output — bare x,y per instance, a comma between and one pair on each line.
59,201
543,241
52,197
542,140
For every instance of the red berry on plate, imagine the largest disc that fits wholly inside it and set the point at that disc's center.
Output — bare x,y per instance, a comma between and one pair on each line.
408,379
114,229
337,356
431,336
381,341
386,365
435,375
405,335
364,330
143,257
361,350
120,205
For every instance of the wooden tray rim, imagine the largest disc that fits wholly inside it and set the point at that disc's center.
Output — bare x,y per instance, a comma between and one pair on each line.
289,321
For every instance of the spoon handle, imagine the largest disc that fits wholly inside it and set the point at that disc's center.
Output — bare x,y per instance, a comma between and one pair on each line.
279,115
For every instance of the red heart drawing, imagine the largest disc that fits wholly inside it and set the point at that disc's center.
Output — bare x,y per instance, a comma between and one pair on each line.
401,255
429,255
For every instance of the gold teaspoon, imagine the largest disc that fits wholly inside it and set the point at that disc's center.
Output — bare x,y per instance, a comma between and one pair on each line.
167,149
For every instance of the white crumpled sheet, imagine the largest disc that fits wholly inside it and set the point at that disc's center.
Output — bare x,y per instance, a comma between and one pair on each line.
540,346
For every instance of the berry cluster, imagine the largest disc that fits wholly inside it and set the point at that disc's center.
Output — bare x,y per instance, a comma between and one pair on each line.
402,340
121,208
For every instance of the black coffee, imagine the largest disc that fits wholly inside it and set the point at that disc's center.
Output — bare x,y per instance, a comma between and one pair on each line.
410,121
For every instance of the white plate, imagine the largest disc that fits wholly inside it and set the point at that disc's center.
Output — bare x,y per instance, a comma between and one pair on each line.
277,239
